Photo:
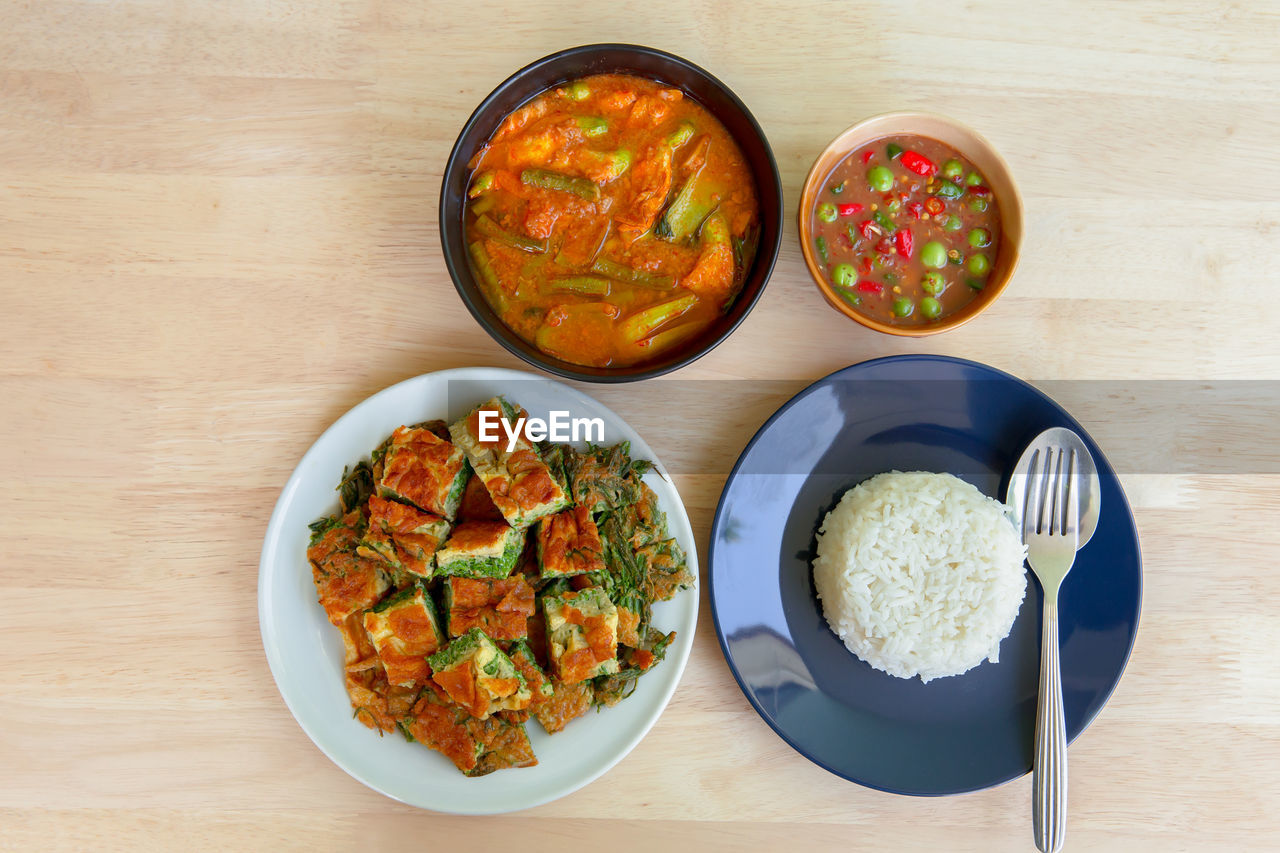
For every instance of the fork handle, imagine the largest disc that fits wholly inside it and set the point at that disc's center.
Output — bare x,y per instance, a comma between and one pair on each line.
1049,771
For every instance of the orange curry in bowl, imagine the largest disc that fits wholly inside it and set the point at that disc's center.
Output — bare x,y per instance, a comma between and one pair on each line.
610,220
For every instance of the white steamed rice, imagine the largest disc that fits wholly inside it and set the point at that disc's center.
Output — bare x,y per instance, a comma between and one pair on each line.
920,574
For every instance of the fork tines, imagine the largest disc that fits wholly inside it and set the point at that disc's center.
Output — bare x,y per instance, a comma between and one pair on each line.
1051,504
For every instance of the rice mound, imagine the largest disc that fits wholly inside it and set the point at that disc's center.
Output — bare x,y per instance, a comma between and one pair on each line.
920,574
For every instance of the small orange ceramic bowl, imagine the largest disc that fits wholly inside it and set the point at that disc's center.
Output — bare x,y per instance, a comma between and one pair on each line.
970,146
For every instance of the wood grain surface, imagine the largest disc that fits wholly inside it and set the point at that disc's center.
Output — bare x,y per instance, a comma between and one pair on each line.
218,233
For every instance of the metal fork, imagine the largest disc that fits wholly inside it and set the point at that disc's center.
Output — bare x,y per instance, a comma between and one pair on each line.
1051,531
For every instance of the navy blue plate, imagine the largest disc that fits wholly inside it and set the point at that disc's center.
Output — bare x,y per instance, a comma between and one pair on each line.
964,733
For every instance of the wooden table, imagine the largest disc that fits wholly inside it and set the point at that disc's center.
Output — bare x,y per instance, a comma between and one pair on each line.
218,233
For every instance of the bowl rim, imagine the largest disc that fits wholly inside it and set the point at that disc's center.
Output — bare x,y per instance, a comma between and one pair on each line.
1011,208
765,261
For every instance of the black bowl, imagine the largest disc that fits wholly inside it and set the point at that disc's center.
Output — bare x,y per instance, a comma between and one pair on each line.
560,68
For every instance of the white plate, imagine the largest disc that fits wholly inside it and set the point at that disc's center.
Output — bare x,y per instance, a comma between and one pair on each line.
305,651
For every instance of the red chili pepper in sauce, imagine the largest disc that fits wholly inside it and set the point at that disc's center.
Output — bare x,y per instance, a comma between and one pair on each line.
850,209
980,190
866,265
919,163
868,286
934,206
904,242
865,228
866,156
915,208
884,245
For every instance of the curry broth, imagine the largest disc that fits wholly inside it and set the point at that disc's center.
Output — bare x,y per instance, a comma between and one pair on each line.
610,220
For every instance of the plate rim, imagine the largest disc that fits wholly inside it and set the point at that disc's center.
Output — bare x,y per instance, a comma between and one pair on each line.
716,524
270,555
